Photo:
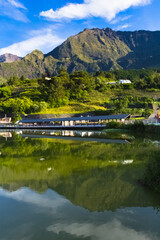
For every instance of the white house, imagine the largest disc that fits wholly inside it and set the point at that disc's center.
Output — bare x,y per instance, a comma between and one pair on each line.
47,78
123,81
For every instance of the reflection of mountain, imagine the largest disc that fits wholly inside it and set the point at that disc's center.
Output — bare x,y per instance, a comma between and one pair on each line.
96,190
107,189
89,174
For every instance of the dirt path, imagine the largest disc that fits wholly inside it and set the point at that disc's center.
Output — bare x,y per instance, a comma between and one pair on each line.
154,114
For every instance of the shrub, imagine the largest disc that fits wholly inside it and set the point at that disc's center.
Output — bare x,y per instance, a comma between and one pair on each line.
152,174
114,124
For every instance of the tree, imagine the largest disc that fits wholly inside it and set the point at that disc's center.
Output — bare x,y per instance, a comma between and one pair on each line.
5,92
23,78
81,82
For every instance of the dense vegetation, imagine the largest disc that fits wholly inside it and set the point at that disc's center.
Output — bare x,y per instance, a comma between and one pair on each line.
99,92
135,127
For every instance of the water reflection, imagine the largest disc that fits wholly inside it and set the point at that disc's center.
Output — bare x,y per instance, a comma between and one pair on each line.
113,230
55,188
53,217
27,196
67,134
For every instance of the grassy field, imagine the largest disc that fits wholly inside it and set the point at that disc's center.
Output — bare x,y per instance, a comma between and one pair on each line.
73,108
95,101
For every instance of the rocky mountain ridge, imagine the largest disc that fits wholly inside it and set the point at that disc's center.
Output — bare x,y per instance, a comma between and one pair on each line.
92,50
9,58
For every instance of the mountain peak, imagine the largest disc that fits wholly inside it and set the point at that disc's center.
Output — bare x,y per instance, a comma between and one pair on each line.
9,58
36,54
92,45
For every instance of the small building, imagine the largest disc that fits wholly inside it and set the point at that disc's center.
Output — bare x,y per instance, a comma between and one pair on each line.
5,120
47,78
125,81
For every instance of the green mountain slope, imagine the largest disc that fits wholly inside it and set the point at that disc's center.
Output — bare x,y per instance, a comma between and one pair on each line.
32,66
92,50
145,49
106,49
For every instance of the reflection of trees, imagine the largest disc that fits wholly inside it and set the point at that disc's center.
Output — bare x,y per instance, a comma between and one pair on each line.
67,156
58,148
152,173
89,174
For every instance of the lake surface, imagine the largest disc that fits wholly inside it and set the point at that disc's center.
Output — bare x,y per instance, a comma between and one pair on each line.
67,185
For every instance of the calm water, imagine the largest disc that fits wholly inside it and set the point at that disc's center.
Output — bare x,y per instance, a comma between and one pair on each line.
76,185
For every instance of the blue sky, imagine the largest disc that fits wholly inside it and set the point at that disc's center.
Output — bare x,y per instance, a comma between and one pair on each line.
44,24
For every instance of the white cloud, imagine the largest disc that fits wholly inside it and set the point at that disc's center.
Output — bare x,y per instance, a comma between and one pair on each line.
16,4
120,19
43,40
90,8
111,230
121,27
13,9
26,195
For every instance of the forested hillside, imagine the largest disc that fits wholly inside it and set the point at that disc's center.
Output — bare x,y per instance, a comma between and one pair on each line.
78,92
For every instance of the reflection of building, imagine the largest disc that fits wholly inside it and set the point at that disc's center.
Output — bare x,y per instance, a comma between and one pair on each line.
5,120
6,134
68,133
